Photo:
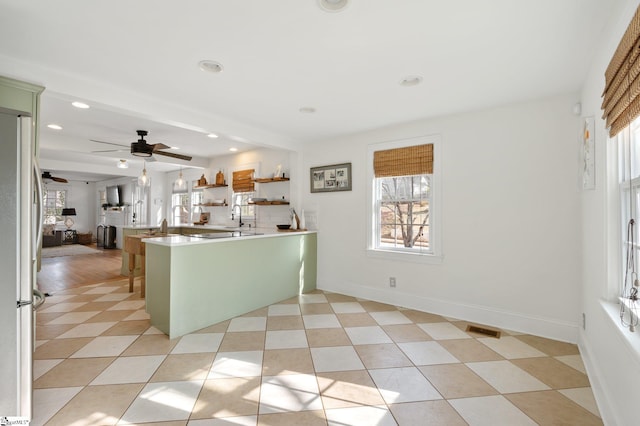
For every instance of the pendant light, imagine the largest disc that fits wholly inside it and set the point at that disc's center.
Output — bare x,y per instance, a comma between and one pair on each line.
180,183
143,179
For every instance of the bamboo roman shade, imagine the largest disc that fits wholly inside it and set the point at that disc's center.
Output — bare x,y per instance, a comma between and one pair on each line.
243,181
407,161
621,104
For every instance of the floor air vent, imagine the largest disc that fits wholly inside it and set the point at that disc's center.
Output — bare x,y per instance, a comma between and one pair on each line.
483,330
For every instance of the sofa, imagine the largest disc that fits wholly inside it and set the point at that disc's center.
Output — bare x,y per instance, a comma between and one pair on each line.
50,236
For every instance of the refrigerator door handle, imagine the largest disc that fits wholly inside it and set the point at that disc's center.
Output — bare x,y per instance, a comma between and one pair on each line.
39,299
38,205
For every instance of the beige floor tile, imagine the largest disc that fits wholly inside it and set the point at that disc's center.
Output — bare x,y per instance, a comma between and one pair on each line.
553,408
339,298
228,398
406,333
377,307
405,384
282,309
43,318
384,355
427,353
327,337
316,309
419,317
443,331
511,348
317,297
348,389
47,402
184,367
220,327
470,350
63,307
107,316
262,312
432,413
91,329
125,328
303,418
73,372
60,348
95,306
41,366
378,415
46,332
127,305
347,307
104,346
129,369
139,314
288,322
553,373
506,377
583,397
163,401
574,361
287,361
248,324
290,392
548,346
456,381
243,341
74,317
356,320
97,405
490,410
153,344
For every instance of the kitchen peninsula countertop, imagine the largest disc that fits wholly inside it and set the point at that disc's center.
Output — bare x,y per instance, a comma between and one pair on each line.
194,282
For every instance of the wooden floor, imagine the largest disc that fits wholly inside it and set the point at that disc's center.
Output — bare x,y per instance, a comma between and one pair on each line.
64,272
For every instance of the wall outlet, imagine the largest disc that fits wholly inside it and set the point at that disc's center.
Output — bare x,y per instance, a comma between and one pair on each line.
392,281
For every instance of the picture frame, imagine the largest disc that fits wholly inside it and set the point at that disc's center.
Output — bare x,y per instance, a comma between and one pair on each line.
331,178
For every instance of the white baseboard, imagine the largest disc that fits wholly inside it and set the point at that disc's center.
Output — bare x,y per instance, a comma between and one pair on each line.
514,321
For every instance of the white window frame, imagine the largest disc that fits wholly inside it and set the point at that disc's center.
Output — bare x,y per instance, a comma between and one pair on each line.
47,206
174,216
434,254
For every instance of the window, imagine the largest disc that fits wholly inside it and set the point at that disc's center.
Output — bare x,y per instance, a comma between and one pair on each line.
629,181
243,190
404,203
180,208
54,200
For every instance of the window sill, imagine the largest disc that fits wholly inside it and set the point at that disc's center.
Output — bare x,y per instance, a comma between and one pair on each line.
632,340
427,259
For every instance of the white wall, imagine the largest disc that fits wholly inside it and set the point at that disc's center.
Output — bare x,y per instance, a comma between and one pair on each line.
511,212
607,348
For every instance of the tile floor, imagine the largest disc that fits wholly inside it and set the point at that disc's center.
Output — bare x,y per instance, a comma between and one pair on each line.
319,359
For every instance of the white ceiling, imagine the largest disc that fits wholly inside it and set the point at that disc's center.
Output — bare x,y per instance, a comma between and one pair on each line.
136,64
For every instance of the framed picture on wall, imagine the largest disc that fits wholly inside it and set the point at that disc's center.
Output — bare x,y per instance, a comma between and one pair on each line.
336,177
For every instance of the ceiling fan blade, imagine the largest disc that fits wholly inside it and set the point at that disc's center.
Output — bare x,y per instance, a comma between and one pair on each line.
58,179
113,150
174,155
157,146
108,143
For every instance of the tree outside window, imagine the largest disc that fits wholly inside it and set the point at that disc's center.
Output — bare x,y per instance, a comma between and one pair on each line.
54,200
403,212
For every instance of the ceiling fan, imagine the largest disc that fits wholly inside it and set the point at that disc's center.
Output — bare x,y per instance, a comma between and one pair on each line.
47,175
141,148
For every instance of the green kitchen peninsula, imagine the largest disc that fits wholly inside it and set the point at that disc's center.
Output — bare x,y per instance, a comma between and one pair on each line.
193,282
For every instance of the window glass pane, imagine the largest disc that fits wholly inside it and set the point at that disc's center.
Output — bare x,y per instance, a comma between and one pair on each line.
403,212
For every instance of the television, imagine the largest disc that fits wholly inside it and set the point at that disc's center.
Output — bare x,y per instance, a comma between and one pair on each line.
114,195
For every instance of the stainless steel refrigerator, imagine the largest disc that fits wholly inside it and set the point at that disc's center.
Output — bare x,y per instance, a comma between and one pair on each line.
20,235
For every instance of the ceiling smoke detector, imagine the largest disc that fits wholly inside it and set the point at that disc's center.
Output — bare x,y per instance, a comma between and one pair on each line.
210,66
333,5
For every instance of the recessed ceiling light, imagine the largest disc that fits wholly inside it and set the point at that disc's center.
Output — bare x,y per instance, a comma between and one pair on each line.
411,80
212,135
122,164
332,5
54,126
173,147
307,110
210,66
233,149
80,105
